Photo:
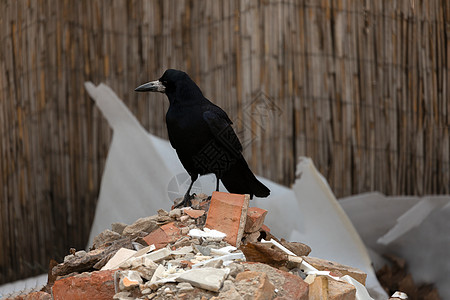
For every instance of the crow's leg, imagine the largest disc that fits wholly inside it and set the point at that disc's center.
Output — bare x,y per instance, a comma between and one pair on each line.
217,188
187,197
217,184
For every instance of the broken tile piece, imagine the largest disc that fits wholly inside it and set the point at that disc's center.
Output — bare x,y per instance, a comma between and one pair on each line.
127,280
255,219
182,251
158,255
158,273
206,278
194,213
184,287
144,250
121,256
228,214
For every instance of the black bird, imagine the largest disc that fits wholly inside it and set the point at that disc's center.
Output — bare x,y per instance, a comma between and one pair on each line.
202,135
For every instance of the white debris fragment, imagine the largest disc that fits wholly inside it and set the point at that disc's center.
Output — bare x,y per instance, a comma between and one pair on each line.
223,250
227,259
212,234
399,295
183,250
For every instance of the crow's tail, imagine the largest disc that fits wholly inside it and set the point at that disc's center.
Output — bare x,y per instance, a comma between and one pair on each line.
241,180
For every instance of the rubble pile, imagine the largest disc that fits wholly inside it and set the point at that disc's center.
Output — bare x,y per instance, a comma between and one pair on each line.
217,249
395,277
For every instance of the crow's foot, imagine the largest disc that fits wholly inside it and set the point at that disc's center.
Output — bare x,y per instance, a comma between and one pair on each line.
186,201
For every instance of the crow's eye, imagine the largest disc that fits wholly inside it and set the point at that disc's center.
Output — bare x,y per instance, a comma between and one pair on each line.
164,82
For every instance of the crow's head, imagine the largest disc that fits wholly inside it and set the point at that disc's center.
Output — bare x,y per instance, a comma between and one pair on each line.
168,83
177,85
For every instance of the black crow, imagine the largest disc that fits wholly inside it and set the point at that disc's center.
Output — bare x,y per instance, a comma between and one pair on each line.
202,135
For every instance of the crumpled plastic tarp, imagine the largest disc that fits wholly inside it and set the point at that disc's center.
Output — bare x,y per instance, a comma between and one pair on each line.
416,229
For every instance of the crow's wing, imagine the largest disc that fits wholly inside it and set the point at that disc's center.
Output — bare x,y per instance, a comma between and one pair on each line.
220,126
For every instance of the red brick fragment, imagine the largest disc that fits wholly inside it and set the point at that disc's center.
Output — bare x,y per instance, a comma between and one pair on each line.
294,287
255,219
186,264
194,213
167,233
228,213
96,285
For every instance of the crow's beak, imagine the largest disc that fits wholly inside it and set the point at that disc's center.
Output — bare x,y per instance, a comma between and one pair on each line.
152,86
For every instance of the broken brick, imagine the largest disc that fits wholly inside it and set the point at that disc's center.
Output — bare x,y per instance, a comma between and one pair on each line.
164,235
33,296
96,285
251,237
298,249
340,290
264,253
255,219
228,213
